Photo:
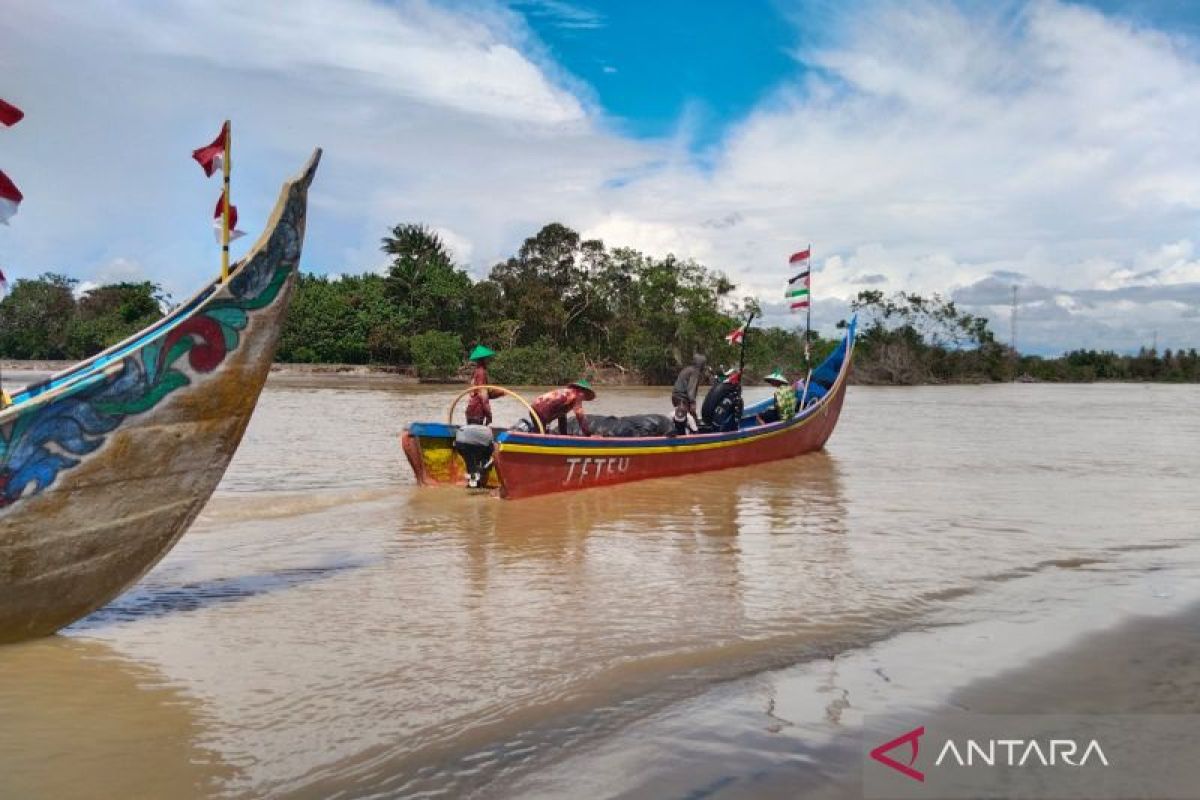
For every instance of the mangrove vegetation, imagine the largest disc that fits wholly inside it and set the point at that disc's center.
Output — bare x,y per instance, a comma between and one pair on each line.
563,306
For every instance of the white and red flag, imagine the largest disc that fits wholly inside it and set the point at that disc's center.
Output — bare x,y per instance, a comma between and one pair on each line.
10,198
210,157
10,195
737,336
9,114
218,221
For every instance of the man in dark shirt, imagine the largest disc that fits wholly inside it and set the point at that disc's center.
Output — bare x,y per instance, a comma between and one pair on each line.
723,404
683,393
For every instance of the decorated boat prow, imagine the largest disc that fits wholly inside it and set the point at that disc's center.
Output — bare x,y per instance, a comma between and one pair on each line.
105,465
527,463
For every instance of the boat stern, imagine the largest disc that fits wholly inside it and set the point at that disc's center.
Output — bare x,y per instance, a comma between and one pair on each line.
429,448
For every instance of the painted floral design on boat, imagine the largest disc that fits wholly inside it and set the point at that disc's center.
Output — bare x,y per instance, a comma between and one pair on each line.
37,446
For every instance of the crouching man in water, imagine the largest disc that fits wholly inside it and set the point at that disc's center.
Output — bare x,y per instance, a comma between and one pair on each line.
683,393
476,444
785,399
553,406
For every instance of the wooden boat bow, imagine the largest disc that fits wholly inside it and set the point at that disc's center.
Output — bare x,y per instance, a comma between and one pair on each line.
105,465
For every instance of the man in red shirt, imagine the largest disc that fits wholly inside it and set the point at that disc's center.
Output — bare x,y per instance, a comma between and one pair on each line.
479,407
554,405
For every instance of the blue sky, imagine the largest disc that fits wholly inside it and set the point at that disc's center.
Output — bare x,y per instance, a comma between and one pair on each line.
931,145
670,68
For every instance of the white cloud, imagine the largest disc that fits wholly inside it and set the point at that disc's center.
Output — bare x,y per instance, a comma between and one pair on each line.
928,148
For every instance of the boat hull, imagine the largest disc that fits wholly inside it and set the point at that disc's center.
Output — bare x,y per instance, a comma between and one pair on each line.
528,469
100,477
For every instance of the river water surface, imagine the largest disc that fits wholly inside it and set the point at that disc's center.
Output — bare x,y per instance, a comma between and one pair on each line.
328,629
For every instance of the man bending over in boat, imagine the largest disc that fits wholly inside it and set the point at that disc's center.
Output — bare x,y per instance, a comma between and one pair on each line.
553,406
479,407
683,393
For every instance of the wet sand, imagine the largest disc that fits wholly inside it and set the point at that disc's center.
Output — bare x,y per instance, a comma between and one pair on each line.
1148,665
799,731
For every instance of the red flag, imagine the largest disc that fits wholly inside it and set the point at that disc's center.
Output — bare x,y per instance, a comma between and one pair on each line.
209,158
10,198
801,304
9,114
737,336
217,221
801,256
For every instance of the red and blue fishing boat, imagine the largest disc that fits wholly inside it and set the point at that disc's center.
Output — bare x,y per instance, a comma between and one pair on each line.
534,463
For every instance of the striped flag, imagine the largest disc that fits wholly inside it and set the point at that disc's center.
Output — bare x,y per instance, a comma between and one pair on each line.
800,284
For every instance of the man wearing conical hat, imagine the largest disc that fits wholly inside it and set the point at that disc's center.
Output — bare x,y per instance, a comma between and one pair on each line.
479,407
785,398
553,406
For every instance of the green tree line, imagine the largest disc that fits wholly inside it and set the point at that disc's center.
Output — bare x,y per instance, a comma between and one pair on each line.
47,319
907,338
560,307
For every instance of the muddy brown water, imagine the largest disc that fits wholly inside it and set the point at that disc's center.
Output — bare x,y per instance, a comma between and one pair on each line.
328,629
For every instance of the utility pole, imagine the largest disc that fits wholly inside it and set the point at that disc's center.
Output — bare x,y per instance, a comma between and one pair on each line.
1013,331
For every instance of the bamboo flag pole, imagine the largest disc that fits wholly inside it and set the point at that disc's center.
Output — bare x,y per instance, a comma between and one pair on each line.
226,206
808,318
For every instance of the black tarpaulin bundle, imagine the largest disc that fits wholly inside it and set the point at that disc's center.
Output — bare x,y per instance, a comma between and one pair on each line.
637,425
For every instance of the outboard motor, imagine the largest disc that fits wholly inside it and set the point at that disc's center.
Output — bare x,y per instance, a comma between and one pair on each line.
476,444
722,410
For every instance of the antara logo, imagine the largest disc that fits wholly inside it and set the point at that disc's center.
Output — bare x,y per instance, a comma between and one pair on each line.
913,739
1019,752
990,753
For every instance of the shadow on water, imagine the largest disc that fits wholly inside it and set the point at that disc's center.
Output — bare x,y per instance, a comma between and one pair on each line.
76,711
150,600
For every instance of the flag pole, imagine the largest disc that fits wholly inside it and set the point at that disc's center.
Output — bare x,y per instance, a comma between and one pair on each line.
225,206
808,334
808,318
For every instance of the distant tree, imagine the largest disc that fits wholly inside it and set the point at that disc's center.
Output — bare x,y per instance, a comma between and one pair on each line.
908,338
426,289
437,355
110,314
36,317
